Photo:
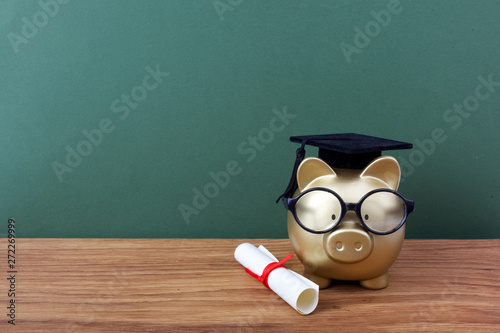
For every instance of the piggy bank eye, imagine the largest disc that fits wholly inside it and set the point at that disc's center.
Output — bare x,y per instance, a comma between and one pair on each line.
318,210
383,211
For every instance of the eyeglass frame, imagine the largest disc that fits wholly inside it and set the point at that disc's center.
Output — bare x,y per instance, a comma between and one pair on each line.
290,204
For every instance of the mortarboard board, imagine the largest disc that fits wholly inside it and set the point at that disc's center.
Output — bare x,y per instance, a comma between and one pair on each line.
347,150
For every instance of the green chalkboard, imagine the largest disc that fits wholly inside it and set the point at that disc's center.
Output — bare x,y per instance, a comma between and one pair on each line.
172,118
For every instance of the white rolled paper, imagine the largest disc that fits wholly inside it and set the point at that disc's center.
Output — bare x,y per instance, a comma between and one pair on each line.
296,290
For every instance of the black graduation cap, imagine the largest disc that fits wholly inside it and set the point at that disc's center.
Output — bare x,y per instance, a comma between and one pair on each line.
347,150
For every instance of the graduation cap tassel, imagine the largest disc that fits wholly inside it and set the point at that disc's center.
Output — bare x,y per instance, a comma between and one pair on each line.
292,185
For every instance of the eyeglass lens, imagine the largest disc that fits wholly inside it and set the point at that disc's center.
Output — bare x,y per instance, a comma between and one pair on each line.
318,210
382,211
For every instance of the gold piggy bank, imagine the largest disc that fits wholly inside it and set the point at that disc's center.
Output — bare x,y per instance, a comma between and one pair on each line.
348,222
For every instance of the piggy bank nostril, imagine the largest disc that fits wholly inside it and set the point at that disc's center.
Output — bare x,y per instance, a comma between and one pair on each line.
358,246
339,246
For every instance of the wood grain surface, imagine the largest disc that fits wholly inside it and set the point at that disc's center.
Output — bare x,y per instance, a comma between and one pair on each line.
195,285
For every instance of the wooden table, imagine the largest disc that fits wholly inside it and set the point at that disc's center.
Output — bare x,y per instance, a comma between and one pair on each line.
195,285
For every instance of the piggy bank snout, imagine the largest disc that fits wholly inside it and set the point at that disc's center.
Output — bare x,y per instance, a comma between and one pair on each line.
348,245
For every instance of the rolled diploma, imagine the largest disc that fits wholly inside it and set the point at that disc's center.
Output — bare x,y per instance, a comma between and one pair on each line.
296,290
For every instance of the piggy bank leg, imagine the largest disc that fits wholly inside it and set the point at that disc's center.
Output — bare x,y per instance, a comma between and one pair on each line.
320,281
376,283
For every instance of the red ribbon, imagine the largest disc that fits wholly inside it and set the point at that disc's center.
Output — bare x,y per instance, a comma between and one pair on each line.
269,268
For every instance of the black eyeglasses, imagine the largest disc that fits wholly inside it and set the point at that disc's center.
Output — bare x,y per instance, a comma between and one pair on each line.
319,210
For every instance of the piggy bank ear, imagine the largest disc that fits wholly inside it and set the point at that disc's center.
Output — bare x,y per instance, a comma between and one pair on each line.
310,169
385,168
